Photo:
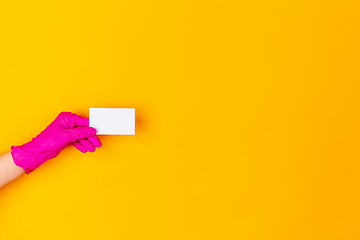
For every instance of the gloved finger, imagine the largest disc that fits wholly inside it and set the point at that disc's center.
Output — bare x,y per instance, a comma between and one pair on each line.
87,144
79,146
80,121
95,141
74,134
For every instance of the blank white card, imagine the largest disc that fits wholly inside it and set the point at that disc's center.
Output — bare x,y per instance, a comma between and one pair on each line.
112,121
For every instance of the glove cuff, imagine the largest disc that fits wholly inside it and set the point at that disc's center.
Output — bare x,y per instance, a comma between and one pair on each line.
23,159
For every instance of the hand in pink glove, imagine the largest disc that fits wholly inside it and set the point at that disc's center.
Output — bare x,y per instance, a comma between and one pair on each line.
67,129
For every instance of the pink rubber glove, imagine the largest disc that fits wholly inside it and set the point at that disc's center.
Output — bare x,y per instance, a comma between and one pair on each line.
67,129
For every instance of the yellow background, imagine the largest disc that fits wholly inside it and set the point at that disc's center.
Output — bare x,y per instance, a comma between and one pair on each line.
248,118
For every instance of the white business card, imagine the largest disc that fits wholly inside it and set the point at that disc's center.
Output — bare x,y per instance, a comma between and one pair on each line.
112,121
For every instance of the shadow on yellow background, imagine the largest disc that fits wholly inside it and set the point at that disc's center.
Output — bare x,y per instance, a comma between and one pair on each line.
247,118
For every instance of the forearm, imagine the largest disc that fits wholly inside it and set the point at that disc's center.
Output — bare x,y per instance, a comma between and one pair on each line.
8,170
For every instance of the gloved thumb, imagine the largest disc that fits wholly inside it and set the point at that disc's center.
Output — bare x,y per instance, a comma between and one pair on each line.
80,132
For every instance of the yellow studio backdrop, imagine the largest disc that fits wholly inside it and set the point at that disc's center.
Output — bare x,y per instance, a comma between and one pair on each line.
247,118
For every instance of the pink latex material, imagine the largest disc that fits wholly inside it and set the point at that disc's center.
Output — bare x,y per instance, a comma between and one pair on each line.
67,129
